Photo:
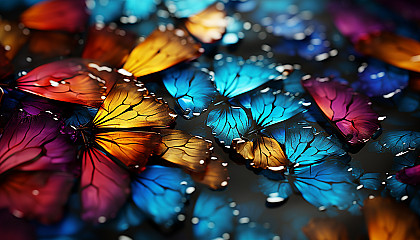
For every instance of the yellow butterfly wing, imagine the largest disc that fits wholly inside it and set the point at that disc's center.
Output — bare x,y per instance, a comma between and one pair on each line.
209,25
184,149
133,149
129,104
164,48
264,152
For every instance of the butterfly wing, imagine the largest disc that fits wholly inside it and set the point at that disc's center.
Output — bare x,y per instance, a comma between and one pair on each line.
350,112
212,216
140,9
398,141
61,15
34,143
130,105
209,25
133,149
161,193
162,49
228,122
185,150
33,195
234,75
52,44
409,175
104,186
109,45
386,219
12,37
192,88
71,80
326,229
215,176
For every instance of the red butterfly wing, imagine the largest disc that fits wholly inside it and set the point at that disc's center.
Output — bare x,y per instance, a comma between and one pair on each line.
109,45
349,111
33,144
104,186
35,195
62,15
72,80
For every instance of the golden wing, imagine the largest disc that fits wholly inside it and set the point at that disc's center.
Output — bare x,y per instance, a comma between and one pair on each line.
133,149
164,48
215,176
130,105
264,152
185,150
209,25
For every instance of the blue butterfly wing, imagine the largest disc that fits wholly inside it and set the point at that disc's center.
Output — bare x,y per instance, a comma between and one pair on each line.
233,31
191,87
140,9
304,146
161,192
276,191
326,185
81,116
381,79
212,216
186,8
270,108
69,227
409,102
234,75
398,141
371,180
128,216
292,82
228,122
315,46
396,188
105,11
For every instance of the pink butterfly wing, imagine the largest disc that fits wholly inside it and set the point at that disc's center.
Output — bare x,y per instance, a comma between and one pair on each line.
349,111
104,186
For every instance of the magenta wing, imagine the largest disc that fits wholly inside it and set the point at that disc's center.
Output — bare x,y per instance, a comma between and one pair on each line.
34,143
410,175
37,195
348,111
104,186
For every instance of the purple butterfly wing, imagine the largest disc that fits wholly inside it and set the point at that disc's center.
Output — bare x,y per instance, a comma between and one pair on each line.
35,143
104,186
410,175
348,111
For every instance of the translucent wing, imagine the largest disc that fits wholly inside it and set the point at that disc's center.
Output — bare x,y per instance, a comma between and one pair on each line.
228,123
109,45
264,152
327,184
104,186
386,219
276,191
270,108
393,49
398,141
350,112
215,176
61,15
33,195
130,105
234,75
12,37
326,229
35,143
185,150
71,80
162,49
161,192
212,216
381,79
133,149
192,88
209,25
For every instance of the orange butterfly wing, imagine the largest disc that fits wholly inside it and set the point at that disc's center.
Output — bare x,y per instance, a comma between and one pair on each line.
396,50
72,80
209,25
61,15
162,49
52,44
109,45
264,152
387,219
12,37
133,149
325,229
130,105
185,150
215,176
